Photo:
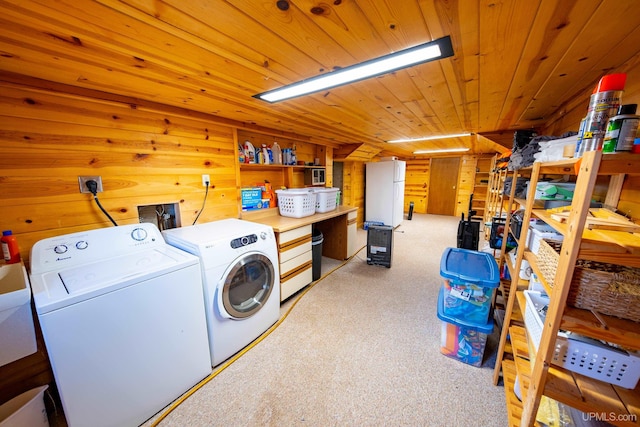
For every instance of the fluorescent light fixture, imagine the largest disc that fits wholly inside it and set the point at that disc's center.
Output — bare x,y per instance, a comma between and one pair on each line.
443,150
428,138
437,49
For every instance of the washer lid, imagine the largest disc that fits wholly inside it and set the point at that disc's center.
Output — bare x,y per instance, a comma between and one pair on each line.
57,289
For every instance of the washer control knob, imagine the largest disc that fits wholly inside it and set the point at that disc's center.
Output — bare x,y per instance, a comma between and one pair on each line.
263,235
60,249
245,241
82,244
139,234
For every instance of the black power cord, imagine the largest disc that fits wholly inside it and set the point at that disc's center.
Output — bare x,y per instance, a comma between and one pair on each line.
92,186
206,192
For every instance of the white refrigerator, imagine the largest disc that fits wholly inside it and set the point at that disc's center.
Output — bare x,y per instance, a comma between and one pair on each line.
384,192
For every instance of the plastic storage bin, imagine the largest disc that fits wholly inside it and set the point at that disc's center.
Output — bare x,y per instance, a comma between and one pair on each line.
296,203
470,278
325,199
461,340
26,409
580,354
17,333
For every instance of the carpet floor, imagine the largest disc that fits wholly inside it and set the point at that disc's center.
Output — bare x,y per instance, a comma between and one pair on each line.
361,347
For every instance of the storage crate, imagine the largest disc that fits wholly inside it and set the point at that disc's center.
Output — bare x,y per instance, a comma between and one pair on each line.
583,355
497,234
461,340
547,259
326,199
470,279
296,203
606,288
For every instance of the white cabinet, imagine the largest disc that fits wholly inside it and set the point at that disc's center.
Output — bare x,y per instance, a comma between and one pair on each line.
352,233
294,250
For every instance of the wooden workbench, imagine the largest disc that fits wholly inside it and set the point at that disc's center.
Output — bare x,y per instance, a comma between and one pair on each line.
334,226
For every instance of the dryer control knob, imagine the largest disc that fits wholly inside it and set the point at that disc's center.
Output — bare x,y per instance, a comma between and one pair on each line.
139,234
263,235
60,249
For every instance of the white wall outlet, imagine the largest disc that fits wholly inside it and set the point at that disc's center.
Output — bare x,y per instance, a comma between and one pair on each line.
82,181
206,181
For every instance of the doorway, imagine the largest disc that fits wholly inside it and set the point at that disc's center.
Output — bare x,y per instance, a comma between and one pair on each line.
443,182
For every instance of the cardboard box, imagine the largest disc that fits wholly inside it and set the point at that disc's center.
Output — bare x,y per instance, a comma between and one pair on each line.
251,198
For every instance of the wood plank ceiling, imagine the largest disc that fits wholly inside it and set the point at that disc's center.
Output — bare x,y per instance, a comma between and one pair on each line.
516,64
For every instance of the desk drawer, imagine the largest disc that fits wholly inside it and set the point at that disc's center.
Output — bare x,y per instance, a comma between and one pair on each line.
289,237
295,251
295,262
293,283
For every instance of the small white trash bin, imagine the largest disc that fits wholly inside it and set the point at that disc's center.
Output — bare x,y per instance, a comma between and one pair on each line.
17,333
25,410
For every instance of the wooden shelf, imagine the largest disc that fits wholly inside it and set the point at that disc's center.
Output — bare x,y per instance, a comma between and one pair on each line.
539,377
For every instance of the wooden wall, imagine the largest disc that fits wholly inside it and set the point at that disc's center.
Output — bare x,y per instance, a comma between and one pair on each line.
145,157
353,187
416,185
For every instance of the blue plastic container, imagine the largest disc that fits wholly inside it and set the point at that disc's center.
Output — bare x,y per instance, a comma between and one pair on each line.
460,340
470,278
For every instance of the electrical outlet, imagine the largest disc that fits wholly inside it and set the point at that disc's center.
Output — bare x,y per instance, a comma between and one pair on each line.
82,181
205,180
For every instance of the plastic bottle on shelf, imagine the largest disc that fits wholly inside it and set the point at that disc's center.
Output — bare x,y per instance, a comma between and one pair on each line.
249,152
10,250
265,154
277,154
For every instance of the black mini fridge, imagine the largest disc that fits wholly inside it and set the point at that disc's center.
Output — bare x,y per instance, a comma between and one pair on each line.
379,245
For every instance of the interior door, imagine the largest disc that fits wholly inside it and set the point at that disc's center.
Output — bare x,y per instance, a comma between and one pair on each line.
443,181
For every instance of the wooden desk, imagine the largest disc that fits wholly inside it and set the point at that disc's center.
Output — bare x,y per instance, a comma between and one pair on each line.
338,227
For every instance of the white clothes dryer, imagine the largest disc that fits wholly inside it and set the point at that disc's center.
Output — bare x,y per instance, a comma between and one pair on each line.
239,261
123,321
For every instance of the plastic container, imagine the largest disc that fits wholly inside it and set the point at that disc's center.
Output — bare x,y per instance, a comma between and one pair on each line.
17,332
580,354
25,410
277,154
461,340
470,278
325,199
10,249
316,253
296,203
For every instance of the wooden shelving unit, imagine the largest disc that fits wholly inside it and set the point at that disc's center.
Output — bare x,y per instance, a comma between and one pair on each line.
538,376
480,190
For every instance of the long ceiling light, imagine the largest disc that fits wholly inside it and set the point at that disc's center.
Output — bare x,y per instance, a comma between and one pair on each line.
437,49
428,138
443,150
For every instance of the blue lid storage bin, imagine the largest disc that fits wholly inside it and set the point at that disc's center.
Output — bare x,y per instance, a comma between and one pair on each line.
461,340
470,278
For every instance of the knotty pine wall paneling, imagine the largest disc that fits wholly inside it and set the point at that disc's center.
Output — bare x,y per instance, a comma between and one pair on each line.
144,155
416,185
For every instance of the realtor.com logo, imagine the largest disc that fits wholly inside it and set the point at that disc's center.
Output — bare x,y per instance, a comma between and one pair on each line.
609,417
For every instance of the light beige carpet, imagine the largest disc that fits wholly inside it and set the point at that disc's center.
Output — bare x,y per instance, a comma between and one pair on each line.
360,348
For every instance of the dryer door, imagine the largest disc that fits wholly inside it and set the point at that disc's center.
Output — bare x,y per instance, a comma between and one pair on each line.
247,285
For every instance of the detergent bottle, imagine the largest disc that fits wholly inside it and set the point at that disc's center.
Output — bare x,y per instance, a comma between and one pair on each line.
277,154
249,152
265,154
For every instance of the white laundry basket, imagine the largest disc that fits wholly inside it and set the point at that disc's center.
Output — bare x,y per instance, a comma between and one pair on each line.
325,199
296,202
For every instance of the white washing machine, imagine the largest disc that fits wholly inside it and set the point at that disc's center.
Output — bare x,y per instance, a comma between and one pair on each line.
123,321
239,261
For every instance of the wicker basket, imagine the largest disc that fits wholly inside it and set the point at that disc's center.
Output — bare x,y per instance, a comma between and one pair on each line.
547,259
606,288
